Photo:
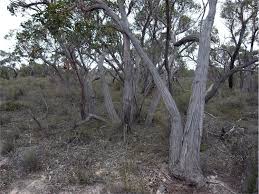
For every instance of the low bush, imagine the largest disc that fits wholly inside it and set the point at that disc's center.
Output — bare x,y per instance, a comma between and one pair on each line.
12,106
30,161
4,120
14,93
6,147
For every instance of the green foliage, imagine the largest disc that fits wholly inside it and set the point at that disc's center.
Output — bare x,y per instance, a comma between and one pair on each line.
33,69
14,93
117,85
25,71
185,72
230,106
182,100
12,106
4,73
203,147
57,16
184,23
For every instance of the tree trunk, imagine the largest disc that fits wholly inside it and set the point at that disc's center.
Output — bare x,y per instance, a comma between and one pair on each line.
107,95
188,166
128,90
167,45
156,98
129,107
235,54
90,95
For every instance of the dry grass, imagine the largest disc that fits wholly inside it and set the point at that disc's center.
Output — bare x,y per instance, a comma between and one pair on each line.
95,153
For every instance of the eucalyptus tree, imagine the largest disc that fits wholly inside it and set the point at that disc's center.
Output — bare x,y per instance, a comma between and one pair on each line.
56,34
184,161
47,28
165,34
237,54
238,16
76,27
8,63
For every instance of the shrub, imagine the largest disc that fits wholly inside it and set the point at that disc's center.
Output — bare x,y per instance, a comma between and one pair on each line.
14,93
30,162
4,120
117,85
83,176
203,147
6,147
182,101
11,106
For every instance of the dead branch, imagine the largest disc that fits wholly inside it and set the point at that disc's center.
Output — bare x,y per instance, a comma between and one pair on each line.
90,116
211,115
213,181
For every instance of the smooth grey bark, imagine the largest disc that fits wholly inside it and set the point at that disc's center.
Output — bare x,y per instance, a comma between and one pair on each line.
129,106
181,149
128,90
107,95
176,124
188,166
90,95
176,128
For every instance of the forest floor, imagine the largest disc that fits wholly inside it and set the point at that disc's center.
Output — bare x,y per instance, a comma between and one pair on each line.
52,156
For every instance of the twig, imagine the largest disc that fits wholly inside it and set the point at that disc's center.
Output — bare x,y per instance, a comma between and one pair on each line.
230,131
210,115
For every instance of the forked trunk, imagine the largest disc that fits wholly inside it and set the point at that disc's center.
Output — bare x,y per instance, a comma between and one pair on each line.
188,166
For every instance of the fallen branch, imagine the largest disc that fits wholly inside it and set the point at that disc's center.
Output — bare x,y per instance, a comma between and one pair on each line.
213,181
210,115
90,116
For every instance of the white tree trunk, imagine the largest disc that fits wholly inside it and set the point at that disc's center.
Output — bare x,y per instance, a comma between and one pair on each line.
129,106
107,95
188,166
90,96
